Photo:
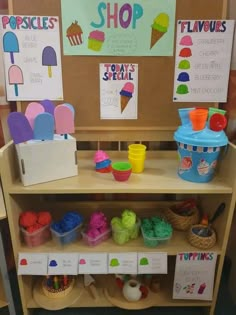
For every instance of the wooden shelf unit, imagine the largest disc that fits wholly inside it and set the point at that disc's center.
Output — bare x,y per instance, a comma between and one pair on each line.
145,193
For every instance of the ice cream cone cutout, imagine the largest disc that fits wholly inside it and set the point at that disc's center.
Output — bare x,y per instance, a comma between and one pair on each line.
159,28
126,94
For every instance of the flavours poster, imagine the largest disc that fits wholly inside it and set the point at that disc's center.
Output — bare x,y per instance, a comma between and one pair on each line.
202,64
118,91
116,28
32,58
194,275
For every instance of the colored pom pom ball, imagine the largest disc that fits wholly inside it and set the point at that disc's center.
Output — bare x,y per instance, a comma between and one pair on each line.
27,219
44,218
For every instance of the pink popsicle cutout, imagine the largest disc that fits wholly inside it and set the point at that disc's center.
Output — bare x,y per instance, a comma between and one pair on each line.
15,77
64,120
32,110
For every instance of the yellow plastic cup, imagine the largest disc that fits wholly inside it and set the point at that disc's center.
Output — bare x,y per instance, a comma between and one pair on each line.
137,148
137,164
137,155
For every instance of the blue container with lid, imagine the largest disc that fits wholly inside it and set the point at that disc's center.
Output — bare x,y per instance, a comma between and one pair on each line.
198,152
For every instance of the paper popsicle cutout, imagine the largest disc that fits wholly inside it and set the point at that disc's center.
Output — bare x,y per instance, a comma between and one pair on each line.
71,107
15,77
49,106
64,120
19,127
10,44
49,59
44,127
32,110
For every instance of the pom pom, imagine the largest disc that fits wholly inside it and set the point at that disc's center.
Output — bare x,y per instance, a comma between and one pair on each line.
44,218
33,228
27,218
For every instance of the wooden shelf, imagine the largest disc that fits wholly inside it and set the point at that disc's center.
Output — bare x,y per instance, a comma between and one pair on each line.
177,244
106,282
159,176
3,303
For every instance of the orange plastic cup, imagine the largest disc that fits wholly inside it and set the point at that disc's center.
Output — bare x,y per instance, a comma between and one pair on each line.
198,118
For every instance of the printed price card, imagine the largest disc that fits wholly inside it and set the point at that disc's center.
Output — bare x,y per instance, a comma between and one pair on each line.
125,263
63,264
93,263
152,263
194,275
32,264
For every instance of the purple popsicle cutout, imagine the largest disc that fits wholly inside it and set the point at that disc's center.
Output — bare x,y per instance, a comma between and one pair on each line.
10,44
32,110
64,120
19,127
15,77
44,127
49,59
49,106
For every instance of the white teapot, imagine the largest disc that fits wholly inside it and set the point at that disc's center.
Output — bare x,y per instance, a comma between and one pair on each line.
131,290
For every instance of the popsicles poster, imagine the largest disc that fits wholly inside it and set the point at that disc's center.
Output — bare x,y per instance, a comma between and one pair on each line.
194,275
202,64
32,57
118,28
118,91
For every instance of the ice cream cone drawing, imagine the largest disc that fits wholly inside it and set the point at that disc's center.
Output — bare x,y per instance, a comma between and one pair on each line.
74,34
15,77
126,94
49,59
159,28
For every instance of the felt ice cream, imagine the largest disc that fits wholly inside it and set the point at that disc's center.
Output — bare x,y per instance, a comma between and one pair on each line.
96,40
102,162
126,94
74,34
159,28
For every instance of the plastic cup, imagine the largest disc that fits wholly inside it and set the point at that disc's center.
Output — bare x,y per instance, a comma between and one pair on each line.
137,155
137,164
213,110
184,115
198,118
137,148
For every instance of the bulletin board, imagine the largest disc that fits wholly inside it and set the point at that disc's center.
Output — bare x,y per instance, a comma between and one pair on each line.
156,109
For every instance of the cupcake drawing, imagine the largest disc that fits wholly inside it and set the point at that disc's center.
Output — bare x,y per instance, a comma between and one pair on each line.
96,40
74,34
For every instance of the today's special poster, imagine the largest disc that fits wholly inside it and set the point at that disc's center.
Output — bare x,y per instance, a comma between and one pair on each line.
202,62
194,275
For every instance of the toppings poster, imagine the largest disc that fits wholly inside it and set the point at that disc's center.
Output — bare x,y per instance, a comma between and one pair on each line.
32,57
116,28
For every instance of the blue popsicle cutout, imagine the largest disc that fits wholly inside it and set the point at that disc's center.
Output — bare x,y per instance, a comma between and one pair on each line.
19,127
44,127
10,44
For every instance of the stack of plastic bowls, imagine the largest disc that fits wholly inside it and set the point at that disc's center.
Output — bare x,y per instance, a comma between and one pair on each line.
136,156
102,162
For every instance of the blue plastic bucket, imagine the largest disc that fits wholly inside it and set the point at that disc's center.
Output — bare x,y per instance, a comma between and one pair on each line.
198,152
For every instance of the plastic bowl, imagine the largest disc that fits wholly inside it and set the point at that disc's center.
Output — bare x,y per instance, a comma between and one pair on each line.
122,176
121,166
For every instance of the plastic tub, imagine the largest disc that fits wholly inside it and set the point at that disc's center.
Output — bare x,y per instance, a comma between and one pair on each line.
67,237
154,241
38,237
198,152
123,235
96,240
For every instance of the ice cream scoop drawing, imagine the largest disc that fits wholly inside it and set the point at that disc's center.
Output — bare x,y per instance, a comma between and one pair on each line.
49,59
159,28
10,44
126,94
15,77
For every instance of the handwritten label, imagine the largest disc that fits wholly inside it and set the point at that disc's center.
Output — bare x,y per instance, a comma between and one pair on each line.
32,264
95,263
125,263
152,263
63,264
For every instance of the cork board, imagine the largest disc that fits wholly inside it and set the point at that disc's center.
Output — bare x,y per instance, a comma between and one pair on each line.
156,111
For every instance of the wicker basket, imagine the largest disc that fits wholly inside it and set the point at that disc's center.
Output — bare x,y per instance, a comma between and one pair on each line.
181,222
201,241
